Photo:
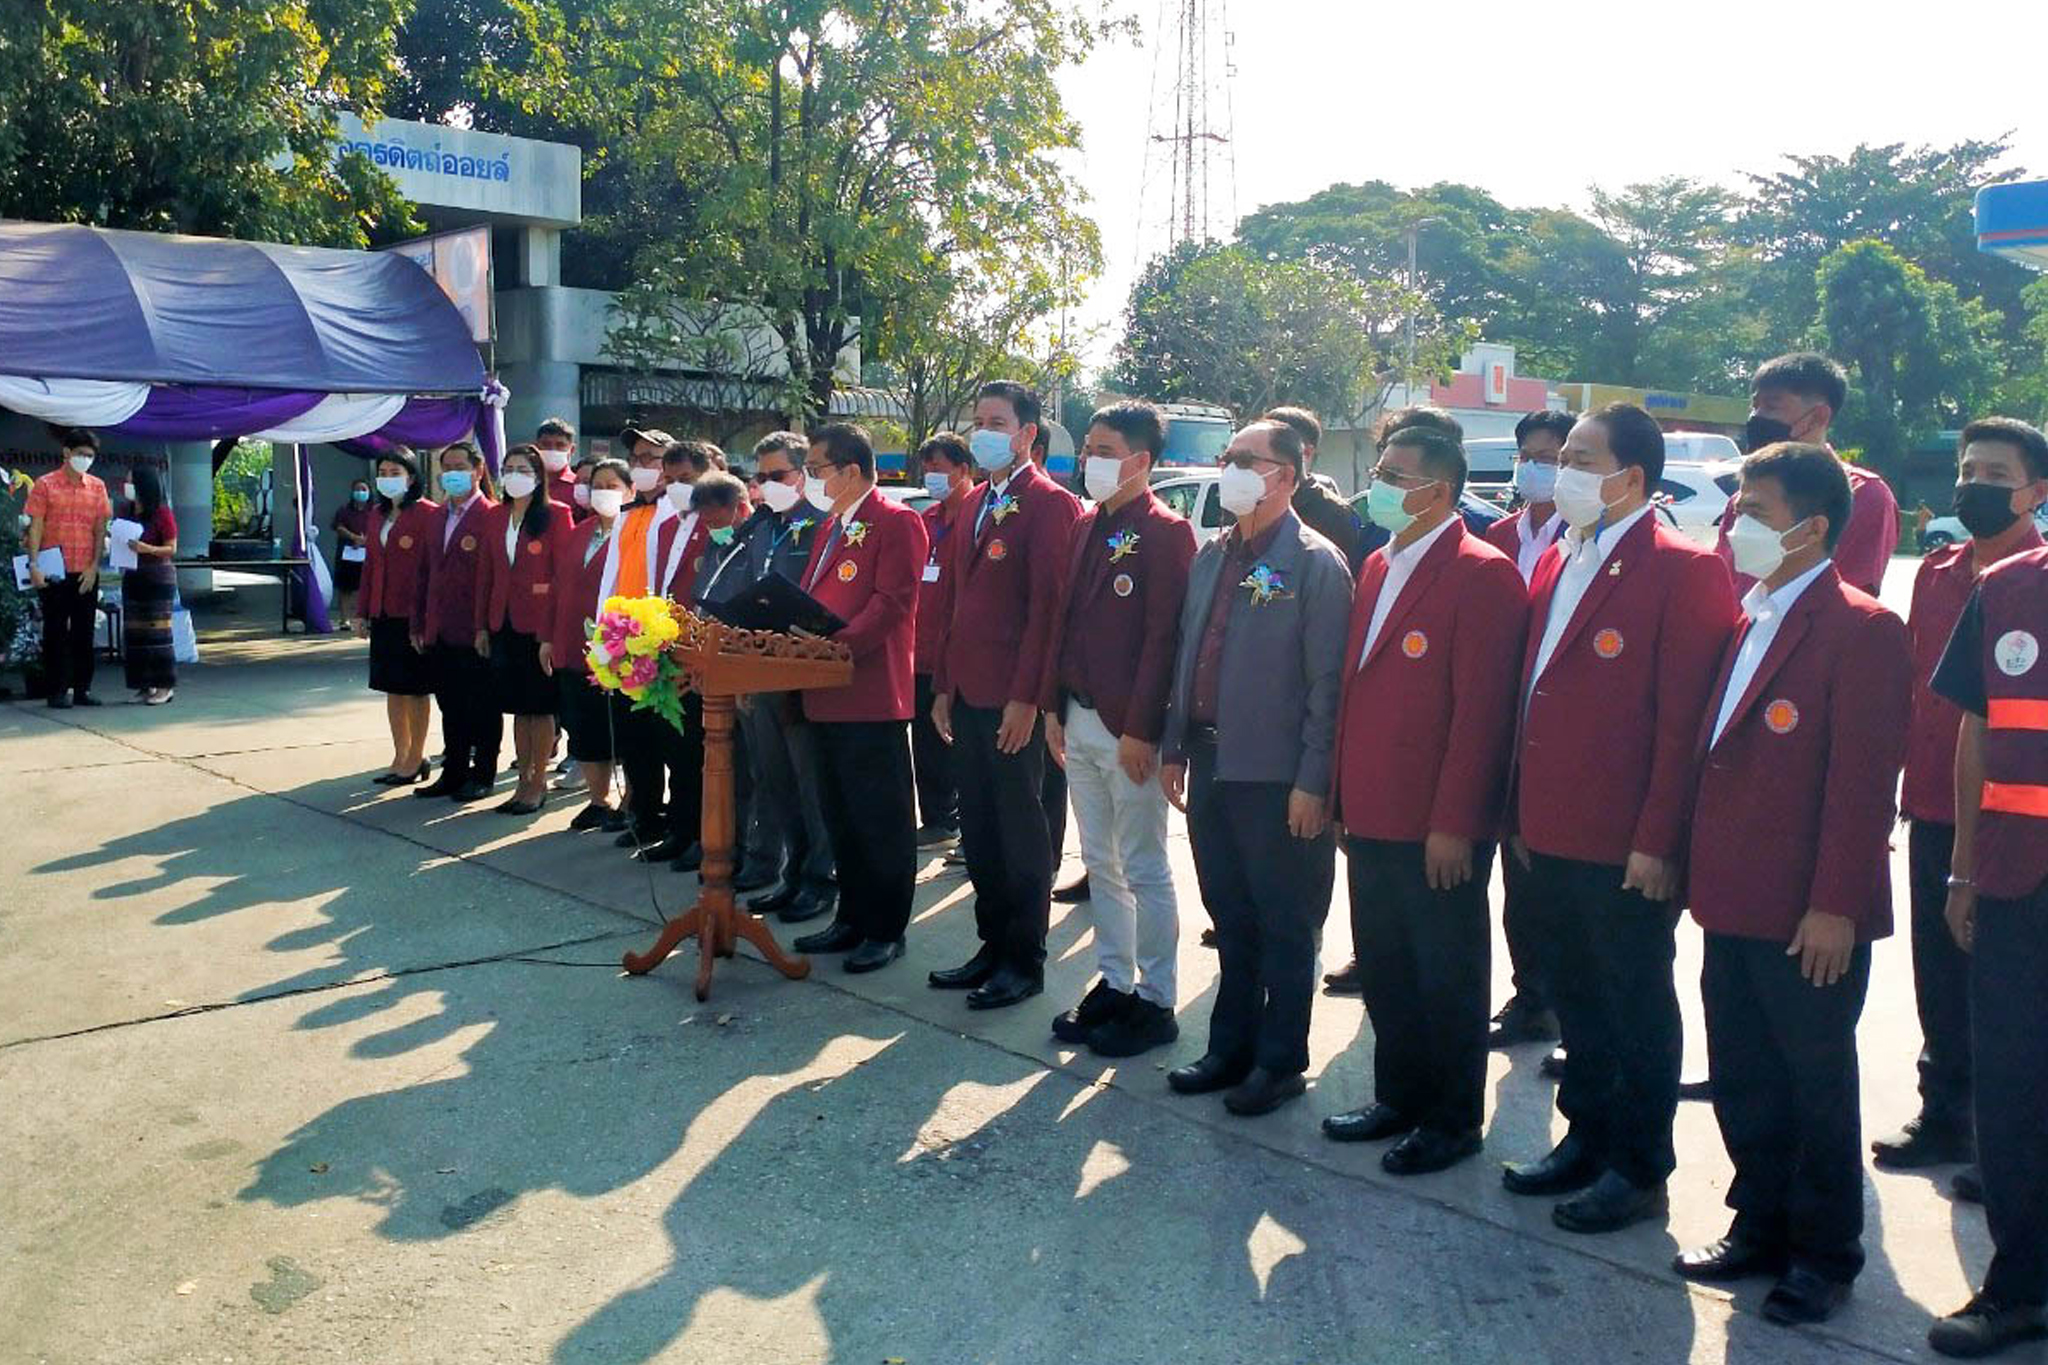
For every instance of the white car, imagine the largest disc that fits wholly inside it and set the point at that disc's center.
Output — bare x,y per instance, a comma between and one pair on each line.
1192,493
1948,530
1691,497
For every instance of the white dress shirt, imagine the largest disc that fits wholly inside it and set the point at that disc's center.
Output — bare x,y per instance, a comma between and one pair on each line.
1530,544
1582,560
1400,568
1766,612
992,497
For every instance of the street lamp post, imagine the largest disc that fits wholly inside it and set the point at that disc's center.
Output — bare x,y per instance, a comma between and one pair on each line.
1413,233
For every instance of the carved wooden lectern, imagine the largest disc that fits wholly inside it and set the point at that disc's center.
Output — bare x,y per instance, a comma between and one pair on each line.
721,664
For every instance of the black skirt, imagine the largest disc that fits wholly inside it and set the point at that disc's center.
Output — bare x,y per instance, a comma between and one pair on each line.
395,666
348,575
522,688
587,711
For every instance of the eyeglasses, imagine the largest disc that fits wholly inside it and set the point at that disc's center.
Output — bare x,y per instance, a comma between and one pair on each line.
1399,478
819,471
774,475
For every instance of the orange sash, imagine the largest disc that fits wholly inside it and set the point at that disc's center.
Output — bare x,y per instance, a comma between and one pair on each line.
634,528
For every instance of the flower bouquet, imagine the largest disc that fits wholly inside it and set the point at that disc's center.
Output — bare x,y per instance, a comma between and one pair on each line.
628,654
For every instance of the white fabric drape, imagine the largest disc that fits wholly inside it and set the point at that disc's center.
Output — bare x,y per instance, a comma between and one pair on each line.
337,417
73,402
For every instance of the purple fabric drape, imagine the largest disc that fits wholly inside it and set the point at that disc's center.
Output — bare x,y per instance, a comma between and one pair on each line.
178,412
428,422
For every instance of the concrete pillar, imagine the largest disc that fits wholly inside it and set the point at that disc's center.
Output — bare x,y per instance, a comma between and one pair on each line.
540,256
541,389
191,490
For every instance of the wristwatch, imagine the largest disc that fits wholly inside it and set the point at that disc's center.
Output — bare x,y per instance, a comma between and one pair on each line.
1955,882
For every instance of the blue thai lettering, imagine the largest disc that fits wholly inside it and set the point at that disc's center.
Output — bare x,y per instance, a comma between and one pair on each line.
501,169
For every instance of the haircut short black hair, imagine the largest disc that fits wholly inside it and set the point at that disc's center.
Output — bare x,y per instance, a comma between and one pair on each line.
612,464
78,438
718,489
1137,421
1022,398
555,426
1285,443
700,456
2027,439
1417,415
1812,478
415,482
1305,423
844,443
149,489
1440,456
1635,440
794,444
949,446
1559,424
535,522
1806,374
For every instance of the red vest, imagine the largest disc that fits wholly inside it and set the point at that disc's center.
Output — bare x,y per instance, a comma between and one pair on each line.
2012,828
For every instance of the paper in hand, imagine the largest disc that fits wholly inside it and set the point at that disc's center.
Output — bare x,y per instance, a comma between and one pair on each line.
121,537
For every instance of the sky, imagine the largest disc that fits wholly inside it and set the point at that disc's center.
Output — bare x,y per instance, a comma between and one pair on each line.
1536,101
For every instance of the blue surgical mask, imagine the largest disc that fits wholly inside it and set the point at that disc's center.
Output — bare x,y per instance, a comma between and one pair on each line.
456,483
939,486
359,495
991,449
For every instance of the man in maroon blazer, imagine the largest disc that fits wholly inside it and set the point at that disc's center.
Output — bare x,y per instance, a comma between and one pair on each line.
864,568
1627,622
949,478
1105,702
472,727
1424,732
1523,535
999,592
1789,873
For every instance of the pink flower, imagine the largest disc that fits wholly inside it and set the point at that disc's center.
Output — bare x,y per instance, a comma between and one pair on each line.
640,670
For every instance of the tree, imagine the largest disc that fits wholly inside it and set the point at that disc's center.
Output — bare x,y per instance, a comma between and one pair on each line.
833,148
734,367
205,118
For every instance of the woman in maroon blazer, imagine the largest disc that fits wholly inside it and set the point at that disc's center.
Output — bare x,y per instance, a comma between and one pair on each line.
523,538
399,526
579,578
444,626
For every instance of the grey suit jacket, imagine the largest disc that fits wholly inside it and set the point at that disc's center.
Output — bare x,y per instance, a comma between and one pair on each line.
1283,662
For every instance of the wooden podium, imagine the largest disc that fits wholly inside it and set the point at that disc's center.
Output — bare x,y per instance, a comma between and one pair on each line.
723,663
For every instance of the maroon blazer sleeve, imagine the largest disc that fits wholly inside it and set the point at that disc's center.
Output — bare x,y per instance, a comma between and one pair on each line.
1868,715
490,564
958,554
1698,618
1145,712
898,562
1049,677
1486,657
373,571
1048,549
423,572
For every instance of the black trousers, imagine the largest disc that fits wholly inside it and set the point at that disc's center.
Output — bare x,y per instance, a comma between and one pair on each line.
1052,796
1425,959
1002,832
786,825
472,727
937,805
1607,957
2008,1020
67,633
1941,977
1517,922
1783,1056
654,755
1268,893
865,791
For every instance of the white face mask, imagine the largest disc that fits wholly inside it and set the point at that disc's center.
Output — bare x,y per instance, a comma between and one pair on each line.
81,463
644,479
1103,477
814,489
780,497
606,502
679,495
939,486
1535,482
128,491
1240,490
1757,549
582,494
392,486
1578,495
555,460
520,485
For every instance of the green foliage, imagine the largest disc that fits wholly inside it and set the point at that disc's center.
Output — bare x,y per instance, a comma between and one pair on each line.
234,487
210,118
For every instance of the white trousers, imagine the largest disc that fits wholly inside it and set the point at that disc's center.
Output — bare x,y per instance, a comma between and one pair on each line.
1123,844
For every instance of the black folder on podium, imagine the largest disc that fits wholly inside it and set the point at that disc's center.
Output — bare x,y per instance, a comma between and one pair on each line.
774,603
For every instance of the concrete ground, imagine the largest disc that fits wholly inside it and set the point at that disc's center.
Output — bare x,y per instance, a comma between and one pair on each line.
293,1068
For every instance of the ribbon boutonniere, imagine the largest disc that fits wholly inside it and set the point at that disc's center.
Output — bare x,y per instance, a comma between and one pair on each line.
799,526
1267,585
1005,505
1614,569
1123,545
856,532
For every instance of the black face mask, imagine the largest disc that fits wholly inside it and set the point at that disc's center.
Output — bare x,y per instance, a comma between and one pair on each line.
1760,431
1985,509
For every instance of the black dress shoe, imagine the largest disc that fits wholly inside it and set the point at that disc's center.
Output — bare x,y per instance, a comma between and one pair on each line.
1374,1123
1984,1326
389,779
1926,1140
1700,1089
1074,892
476,789
667,850
1140,1028
969,974
1731,1258
1102,1004
775,900
614,821
1264,1091
1804,1295
1552,1066
874,953
86,699
754,876
809,904
590,817
1522,1021
838,938
1426,1150
516,807
1611,1205
1570,1166
935,836
1209,1074
1348,980
1005,987
1967,1185
447,784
